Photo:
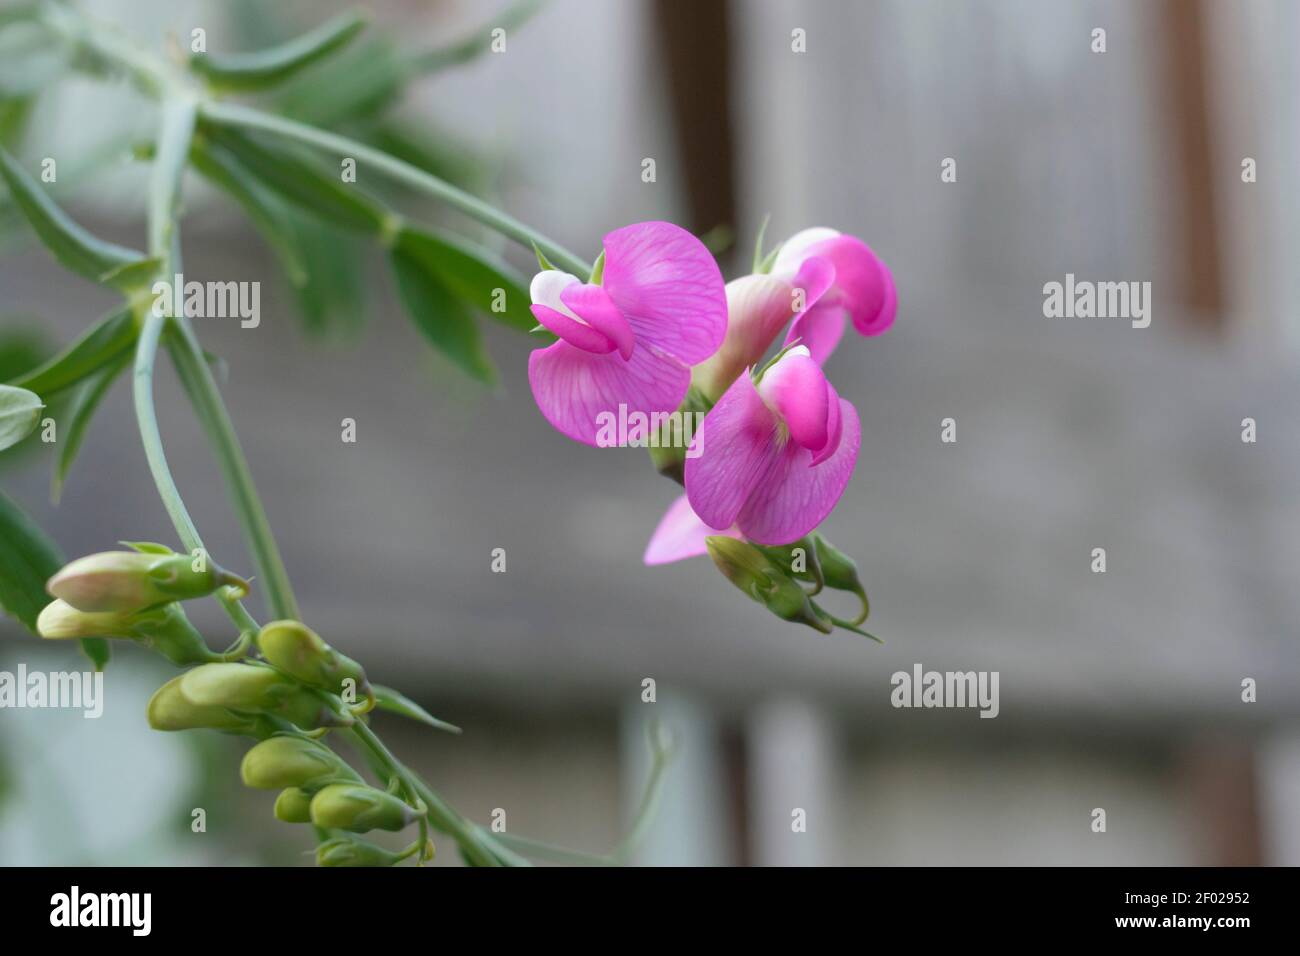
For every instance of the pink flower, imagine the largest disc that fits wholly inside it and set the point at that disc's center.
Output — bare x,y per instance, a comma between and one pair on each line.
680,535
860,285
631,340
774,458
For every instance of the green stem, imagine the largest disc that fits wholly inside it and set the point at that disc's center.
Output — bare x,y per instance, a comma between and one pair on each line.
478,848
145,356
197,379
229,114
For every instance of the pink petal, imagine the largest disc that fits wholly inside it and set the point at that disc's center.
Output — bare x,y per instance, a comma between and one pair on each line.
573,387
834,426
796,387
578,334
737,444
815,277
794,498
668,287
863,284
820,328
680,535
593,305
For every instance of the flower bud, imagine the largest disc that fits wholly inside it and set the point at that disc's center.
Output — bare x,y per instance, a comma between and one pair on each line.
356,807
349,851
758,307
131,580
259,689
300,652
59,619
799,560
840,572
164,628
168,631
287,761
293,805
766,582
170,709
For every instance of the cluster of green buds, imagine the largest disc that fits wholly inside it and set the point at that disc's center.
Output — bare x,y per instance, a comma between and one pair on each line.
294,692
785,579
134,595
300,690
318,787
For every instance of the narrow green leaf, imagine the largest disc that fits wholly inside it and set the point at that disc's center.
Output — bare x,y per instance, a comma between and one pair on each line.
304,182
20,410
74,247
333,297
542,261
477,276
14,115
78,417
227,173
133,276
100,344
398,703
758,243
265,68
356,86
439,315
97,651
28,558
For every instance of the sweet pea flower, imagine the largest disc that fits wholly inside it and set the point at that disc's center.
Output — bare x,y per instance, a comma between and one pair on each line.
775,457
631,340
758,308
860,287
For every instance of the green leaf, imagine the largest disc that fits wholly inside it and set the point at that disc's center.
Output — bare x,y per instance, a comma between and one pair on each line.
227,173
474,274
304,182
97,651
266,68
74,247
78,419
28,558
132,277
398,703
20,410
333,297
439,315
101,343
14,115
359,85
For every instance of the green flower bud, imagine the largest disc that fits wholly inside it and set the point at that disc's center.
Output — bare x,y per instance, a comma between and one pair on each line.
840,572
356,807
349,851
259,689
164,628
59,619
287,761
170,709
293,805
299,651
168,631
766,582
130,580
799,560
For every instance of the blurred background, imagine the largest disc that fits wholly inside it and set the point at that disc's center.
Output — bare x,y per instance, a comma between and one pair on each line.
1120,691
